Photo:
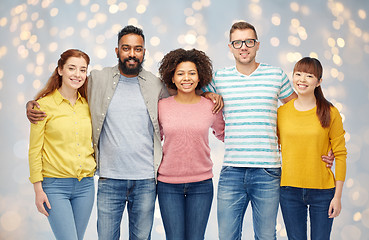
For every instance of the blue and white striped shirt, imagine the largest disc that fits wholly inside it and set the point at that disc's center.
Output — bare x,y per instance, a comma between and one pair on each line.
250,110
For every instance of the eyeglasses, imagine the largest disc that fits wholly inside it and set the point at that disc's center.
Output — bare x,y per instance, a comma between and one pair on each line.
237,44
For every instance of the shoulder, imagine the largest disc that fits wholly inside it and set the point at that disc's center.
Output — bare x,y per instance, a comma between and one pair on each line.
166,101
334,111
105,71
286,107
269,68
225,71
147,75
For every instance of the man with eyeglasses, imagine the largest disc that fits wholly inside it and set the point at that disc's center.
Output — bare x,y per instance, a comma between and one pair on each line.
251,169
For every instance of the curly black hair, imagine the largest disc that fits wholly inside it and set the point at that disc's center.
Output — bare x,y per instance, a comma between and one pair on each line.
130,30
171,60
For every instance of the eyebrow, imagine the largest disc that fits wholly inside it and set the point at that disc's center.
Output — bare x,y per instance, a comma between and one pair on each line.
126,45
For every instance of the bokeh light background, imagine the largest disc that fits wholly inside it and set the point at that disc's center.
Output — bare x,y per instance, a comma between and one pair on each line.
33,33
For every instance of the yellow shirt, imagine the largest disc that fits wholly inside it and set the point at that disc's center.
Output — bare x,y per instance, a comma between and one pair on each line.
61,145
303,141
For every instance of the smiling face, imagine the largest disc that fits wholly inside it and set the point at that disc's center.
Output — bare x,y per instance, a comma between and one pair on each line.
244,55
305,83
130,53
186,77
73,73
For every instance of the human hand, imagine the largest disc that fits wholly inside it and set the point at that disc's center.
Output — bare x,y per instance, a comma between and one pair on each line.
34,115
334,207
216,99
41,198
329,159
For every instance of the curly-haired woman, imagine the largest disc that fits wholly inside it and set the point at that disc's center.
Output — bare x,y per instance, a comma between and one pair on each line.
185,187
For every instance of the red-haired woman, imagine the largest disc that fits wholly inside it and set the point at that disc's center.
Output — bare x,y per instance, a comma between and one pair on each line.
60,150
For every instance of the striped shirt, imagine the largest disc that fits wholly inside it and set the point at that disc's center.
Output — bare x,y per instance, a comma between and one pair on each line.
250,110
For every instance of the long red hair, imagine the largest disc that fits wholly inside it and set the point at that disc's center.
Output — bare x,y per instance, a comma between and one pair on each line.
323,106
55,80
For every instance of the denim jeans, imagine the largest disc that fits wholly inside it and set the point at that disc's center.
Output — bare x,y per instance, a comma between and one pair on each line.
112,196
71,204
185,209
237,187
295,203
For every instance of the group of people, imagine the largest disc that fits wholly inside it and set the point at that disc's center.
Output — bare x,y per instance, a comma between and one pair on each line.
148,136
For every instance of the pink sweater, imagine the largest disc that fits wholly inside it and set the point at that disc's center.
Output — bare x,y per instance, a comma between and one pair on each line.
186,151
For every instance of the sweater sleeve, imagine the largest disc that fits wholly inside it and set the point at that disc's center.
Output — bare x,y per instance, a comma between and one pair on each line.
337,139
218,126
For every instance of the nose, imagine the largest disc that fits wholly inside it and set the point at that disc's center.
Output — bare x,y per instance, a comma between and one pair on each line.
132,52
78,73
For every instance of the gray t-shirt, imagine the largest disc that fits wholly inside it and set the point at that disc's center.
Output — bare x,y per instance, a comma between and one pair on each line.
126,140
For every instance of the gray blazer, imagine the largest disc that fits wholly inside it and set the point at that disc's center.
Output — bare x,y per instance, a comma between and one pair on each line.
101,88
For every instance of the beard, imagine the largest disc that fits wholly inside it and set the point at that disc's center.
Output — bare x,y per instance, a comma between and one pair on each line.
130,70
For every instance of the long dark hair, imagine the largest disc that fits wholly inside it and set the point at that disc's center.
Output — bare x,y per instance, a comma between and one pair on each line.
323,106
55,80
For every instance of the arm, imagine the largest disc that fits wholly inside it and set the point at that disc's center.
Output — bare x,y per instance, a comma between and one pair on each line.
289,98
41,198
216,99
34,115
335,205
218,126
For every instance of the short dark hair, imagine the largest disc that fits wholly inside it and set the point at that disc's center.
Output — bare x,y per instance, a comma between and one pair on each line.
130,29
172,59
242,26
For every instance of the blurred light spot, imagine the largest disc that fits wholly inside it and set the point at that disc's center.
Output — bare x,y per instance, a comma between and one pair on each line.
350,232
20,98
293,56
133,21
85,33
337,60
158,56
1,104
336,25
190,38
294,41
188,12
274,41
255,9
276,19
100,39
22,51
38,70
140,9
54,12
294,6
36,84
156,20
357,216
101,17
313,55
205,3
94,7
162,29
84,2
69,1
302,33
40,23
341,76
295,22
23,16
113,9
1,85
81,16
20,79
30,67
3,51
92,23
349,182
10,221
331,42
358,32
40,59
53,31
305,10
190,21
201,40
122,6
334,72
181,39
154,41
25,35
365,218
110,2
3,21
366,37
361,13
53,46
327,55
100,52
340,42
196,5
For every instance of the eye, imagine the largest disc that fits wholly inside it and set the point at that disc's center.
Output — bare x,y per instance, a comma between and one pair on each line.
125,49
138,49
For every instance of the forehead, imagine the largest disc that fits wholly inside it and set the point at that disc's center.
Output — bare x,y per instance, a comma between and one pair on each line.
242,34
131,40
186,66
77,61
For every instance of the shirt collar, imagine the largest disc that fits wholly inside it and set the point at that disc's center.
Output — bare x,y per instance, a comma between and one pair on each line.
58,98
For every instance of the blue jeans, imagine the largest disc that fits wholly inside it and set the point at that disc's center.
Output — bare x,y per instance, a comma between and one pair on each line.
71,204
112,196
237,187
185,209
295,203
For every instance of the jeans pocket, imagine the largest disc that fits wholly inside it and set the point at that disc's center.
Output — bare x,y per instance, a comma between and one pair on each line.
273,172
48,181
224,169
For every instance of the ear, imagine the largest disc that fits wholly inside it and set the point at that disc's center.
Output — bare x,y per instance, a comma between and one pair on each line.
60,72
319,82
116,52
230,47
